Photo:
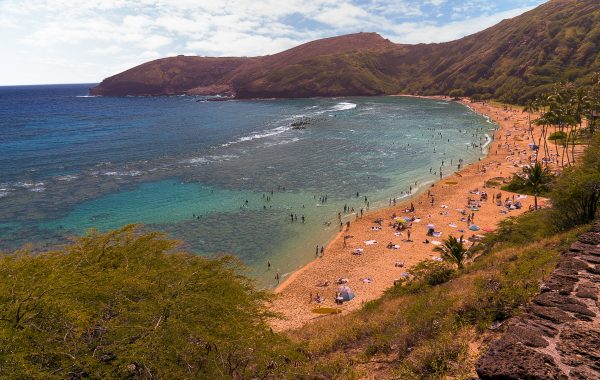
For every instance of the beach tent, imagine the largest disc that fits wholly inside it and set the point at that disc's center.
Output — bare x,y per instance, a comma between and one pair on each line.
346,293
474,228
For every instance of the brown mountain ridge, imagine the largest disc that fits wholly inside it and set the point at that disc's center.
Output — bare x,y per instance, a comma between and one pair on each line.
512,61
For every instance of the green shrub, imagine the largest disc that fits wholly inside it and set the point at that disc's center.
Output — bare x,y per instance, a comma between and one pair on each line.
431,272
560,135
576,194
117,305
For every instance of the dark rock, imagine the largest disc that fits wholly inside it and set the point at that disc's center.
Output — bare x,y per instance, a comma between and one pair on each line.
595,269
580,347
516,361
592,238
550,313
528,335
564,303
558,336
587,291
587,248
591,259
561,282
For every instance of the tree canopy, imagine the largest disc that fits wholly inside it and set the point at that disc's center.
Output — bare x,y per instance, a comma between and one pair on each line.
121,305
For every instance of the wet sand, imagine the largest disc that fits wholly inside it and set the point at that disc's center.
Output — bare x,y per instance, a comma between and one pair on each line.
372,272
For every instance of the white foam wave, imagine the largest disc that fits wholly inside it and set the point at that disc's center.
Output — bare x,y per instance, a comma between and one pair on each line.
67,177
131,173
343,106
282,142
255,136
487,142
207,159
86,96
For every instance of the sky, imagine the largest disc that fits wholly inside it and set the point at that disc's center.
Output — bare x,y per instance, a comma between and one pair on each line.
68,41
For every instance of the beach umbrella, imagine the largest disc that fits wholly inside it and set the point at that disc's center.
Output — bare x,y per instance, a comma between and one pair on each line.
346,293
474,227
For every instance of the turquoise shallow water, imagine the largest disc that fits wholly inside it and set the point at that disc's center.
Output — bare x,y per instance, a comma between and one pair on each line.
187,167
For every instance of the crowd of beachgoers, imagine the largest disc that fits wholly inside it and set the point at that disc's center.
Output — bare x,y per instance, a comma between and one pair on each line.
376,250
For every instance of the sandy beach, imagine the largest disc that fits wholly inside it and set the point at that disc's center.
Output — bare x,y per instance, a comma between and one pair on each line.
374,270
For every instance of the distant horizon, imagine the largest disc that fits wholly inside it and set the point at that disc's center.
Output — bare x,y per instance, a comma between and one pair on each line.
103,39
47,84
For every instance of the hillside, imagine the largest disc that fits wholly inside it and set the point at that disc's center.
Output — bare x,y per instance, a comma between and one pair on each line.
511,61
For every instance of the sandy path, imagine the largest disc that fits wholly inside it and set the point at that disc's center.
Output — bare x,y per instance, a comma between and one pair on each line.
378,262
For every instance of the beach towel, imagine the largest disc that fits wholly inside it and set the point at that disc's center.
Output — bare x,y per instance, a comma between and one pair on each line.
370,242
437,234
435,242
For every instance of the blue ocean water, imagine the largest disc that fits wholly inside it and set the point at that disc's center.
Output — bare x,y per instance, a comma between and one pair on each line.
223,177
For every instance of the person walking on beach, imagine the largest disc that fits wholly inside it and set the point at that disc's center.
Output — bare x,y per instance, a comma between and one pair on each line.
322,251
317,251
277,277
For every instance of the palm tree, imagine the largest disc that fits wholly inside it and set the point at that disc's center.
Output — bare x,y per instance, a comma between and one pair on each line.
580,104
453,250
537,178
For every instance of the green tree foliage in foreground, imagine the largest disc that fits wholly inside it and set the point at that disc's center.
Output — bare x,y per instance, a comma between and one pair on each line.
117,305
576,194
453,250
537,178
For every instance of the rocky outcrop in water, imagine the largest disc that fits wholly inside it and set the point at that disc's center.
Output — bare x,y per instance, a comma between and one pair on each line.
558,336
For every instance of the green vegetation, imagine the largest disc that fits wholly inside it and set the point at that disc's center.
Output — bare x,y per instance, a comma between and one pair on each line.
117,306
560,135
537,178
534,180
576,195
453,250
456,94
565,108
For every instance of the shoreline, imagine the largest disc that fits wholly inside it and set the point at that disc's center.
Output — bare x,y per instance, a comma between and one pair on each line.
288,279
371,273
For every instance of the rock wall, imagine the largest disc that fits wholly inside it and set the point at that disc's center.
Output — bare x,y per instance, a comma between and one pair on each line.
558,336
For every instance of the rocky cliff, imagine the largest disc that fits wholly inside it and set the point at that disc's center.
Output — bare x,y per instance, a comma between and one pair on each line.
558,335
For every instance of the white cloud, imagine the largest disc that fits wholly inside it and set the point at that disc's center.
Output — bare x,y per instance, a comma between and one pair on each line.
411,33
